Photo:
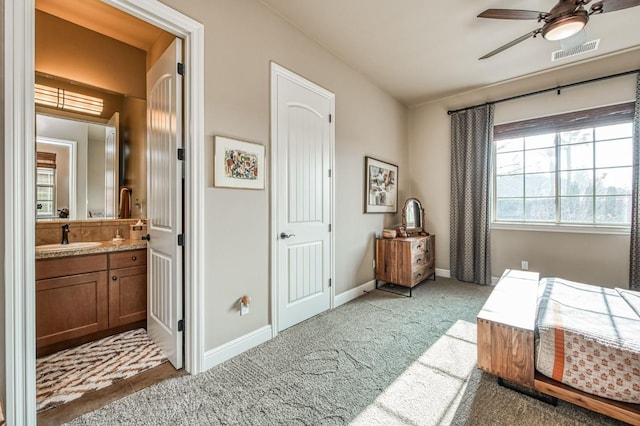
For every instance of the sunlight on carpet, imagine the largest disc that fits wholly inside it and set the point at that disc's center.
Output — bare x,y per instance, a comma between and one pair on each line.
429,390
67,375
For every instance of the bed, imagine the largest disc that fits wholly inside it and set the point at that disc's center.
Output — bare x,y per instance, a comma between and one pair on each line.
547,335
588,337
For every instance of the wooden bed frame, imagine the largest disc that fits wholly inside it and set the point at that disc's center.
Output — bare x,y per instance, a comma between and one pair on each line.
506,326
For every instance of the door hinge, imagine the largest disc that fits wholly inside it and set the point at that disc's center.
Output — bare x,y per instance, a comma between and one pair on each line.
180,239
180,68
181,325
181,154
329,172
329,227
330,118
329,282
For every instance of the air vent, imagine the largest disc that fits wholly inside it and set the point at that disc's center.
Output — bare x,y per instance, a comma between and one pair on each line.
578,50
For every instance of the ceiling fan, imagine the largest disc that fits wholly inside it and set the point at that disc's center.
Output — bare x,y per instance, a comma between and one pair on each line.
565,19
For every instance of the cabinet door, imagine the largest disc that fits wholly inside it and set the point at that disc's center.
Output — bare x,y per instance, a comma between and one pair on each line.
127,295
70,307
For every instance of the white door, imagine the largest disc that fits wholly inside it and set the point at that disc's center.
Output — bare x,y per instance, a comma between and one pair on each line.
302,143
111,147
164,204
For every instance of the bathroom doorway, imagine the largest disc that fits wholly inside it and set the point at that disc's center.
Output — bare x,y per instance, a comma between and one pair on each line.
19,141
69,74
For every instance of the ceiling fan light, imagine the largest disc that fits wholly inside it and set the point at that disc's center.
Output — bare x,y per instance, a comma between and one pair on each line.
565,26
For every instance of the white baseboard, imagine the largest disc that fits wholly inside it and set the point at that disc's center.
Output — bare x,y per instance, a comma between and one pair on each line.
445,273
354,293
237,346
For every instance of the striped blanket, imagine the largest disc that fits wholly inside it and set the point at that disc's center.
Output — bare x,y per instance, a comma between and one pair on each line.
588,337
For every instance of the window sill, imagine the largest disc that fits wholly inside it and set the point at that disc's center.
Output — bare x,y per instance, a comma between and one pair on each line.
551,227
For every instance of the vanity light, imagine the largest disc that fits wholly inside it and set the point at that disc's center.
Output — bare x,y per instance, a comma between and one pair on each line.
66,100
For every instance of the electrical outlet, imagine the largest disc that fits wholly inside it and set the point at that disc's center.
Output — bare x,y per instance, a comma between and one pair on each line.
525,265
244,310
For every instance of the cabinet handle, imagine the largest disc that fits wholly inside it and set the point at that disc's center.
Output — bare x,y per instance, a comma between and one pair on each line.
133,258
114,278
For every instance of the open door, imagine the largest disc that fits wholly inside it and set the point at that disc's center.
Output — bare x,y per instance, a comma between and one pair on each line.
111,147
164,206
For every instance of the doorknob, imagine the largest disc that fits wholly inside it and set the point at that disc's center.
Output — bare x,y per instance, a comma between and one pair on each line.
146,237
284,235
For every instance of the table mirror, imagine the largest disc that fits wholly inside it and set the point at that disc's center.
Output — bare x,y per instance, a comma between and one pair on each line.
413,217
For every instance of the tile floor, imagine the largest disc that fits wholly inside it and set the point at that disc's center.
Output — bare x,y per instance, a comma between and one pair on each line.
94,400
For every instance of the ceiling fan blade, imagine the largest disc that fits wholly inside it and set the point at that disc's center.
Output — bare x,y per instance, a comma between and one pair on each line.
512,14
605,6
513,43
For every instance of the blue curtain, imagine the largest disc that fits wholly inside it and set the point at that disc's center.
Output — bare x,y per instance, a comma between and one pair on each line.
471,159
634,261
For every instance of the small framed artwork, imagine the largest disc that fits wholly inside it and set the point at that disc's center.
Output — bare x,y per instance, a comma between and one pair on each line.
381,187
238,164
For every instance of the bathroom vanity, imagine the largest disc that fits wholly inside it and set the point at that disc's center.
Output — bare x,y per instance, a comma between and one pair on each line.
89,293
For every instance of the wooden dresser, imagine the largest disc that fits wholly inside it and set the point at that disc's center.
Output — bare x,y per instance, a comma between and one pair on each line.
406,261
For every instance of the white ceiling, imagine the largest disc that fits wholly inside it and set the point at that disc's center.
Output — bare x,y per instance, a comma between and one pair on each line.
422,50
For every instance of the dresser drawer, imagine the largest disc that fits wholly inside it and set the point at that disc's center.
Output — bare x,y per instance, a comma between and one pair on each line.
418,260
126,259
418,245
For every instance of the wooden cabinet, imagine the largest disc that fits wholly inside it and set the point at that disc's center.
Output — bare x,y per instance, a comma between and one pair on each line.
406,261
82,298
127,287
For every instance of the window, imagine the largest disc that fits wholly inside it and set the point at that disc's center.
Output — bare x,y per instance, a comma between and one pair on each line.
45,184
573,169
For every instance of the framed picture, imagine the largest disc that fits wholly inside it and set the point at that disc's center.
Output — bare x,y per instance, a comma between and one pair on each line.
238,164
381,186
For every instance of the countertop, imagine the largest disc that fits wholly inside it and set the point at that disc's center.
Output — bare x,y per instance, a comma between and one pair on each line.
105,247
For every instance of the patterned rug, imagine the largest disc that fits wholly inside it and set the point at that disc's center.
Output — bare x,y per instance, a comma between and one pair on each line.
67,375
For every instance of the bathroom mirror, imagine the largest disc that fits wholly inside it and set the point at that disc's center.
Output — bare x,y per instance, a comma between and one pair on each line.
413,217
77,168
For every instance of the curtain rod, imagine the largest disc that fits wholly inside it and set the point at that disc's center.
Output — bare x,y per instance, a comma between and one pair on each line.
550,89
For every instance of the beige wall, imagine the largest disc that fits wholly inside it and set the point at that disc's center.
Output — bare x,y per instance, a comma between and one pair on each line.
133,139
96,165
594,258
98,60
241,38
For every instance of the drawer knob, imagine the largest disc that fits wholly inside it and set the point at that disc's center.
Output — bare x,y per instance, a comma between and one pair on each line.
114,278
133,258
419,246
419,260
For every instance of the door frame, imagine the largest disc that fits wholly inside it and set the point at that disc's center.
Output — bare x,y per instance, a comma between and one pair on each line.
280,71
17,381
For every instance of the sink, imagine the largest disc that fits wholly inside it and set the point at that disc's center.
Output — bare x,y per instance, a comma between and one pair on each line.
66,247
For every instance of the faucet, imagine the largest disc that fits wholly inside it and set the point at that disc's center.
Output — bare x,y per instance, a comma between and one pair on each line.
65,234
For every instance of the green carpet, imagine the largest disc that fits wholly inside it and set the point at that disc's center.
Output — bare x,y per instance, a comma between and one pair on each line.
381,359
